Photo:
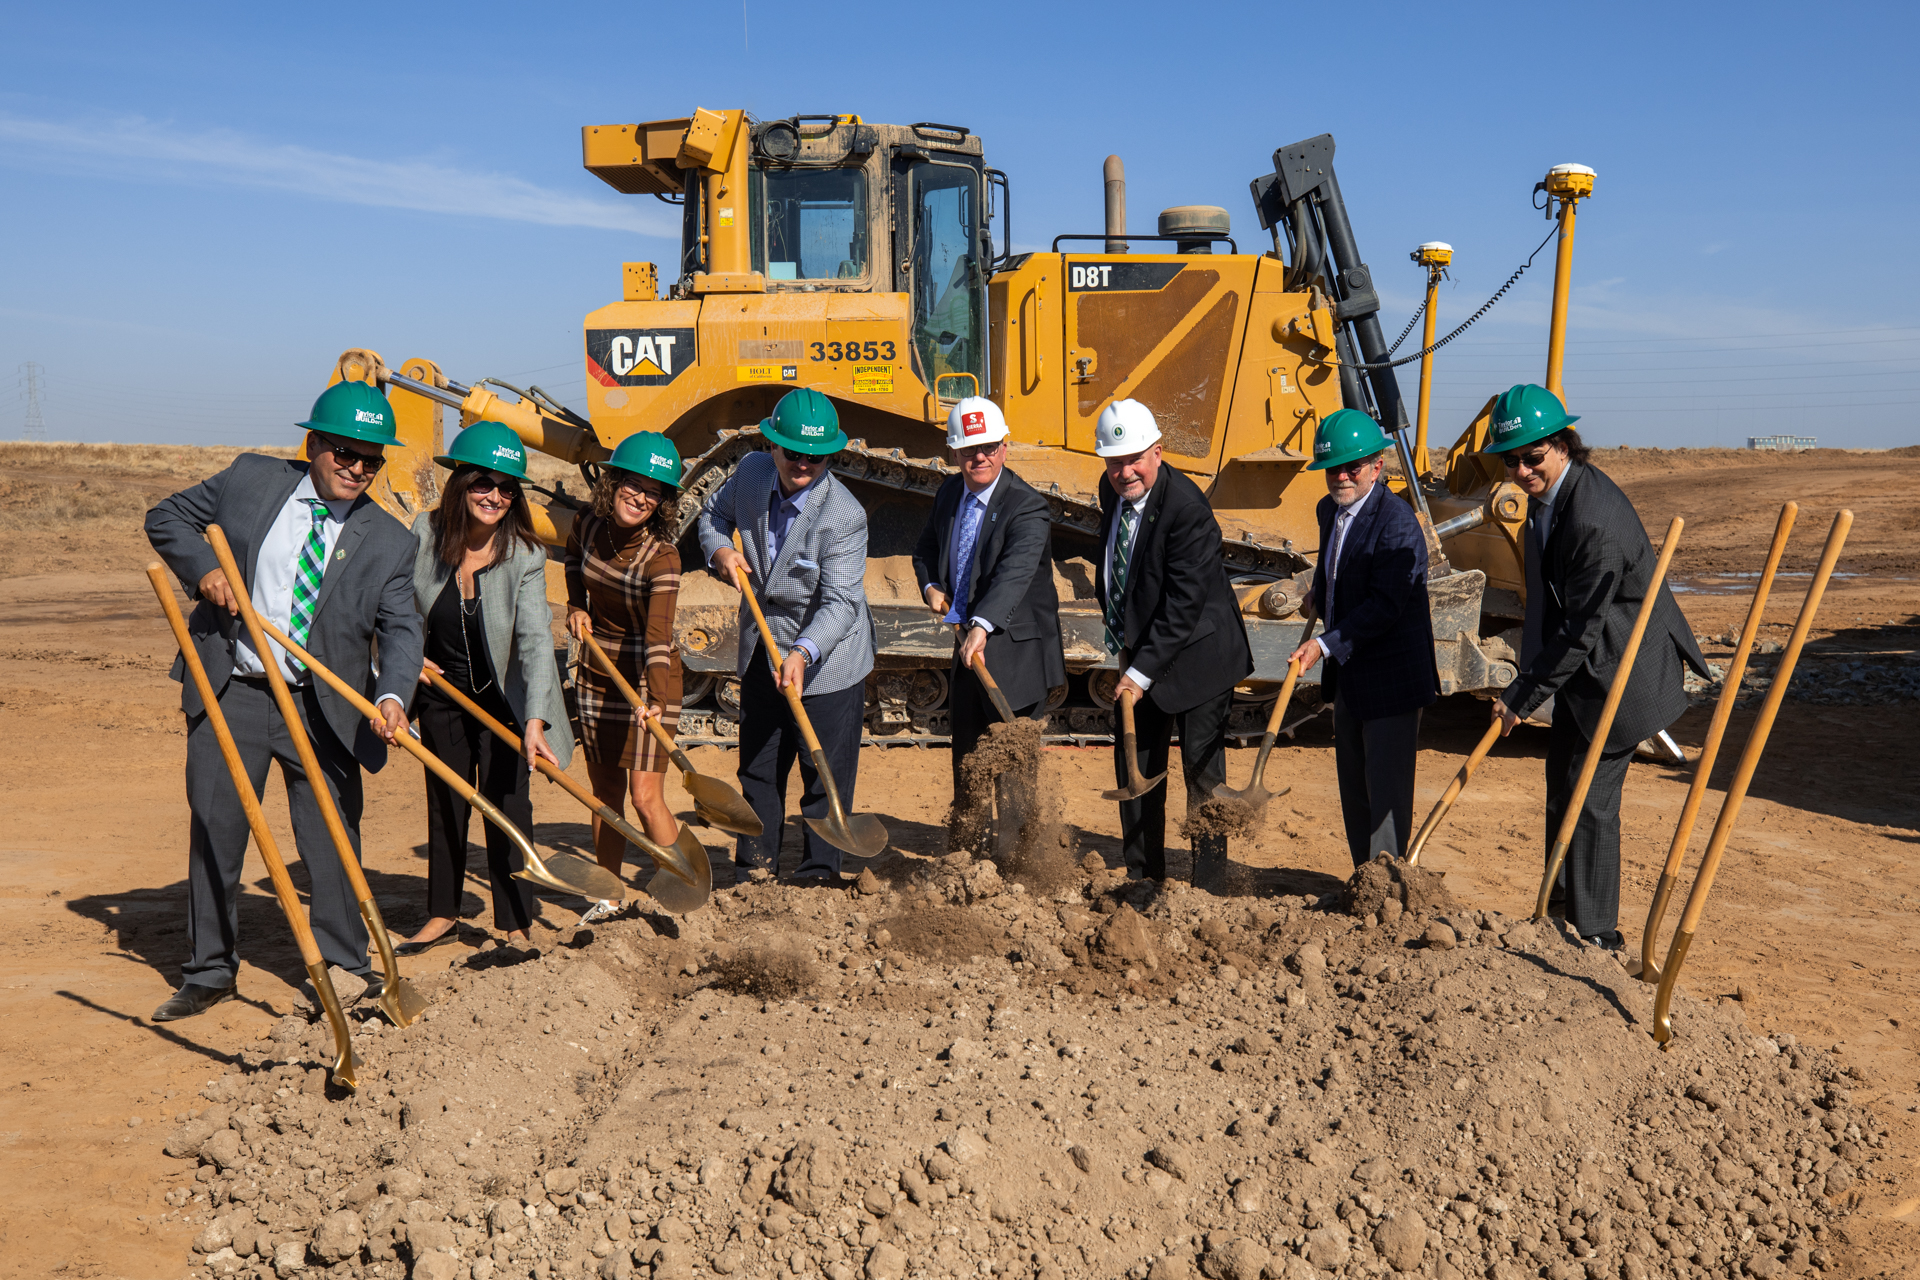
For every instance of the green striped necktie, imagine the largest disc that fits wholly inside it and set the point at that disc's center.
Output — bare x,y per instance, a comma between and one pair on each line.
1117,579
307,573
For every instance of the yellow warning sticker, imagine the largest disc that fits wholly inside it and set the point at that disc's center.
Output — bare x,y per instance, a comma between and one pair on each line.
766,372
726,216
873,379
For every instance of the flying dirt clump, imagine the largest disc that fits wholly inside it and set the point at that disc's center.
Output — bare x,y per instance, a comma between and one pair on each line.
772,973
1413,889
1001,814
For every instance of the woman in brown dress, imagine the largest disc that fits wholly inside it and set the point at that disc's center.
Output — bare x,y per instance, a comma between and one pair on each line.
623,578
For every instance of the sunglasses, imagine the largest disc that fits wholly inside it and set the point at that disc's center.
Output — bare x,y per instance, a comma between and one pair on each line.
804,459
351,459
1351,468
484,483
1531,461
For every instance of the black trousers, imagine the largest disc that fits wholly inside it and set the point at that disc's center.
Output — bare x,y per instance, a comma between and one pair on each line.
1589,886
770,742
217,845
970,713
1203,760
1374,760
500,774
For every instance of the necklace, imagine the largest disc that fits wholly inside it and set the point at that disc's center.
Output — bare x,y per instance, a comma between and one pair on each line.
467,617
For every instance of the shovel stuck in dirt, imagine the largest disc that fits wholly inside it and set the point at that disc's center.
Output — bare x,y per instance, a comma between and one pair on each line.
1255,795
1137,786
1621,674
1742,776
1454,788
1710,749
860,834
399,999
717,804
684,879
345,1065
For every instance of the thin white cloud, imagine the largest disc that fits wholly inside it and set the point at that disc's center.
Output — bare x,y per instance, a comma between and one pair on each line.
132,146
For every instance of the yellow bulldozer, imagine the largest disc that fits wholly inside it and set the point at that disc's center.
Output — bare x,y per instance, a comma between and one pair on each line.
876,264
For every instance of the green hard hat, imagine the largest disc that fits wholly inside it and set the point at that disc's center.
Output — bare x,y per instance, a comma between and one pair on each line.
355,410
1345,435
648,453
1524,414
806,422
491,445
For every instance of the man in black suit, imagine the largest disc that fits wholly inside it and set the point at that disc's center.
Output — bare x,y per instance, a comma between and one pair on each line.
1370,590
1589,565
985,567
334,572
1172,619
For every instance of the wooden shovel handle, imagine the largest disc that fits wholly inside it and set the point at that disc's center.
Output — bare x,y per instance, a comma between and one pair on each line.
1622,673
296,729
777,658
631,694
1454,788
269,851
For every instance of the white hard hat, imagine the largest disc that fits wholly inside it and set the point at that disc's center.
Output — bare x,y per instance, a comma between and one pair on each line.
975,420
1126,426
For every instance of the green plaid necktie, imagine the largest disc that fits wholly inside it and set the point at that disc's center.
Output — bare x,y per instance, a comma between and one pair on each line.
307,573
1117,579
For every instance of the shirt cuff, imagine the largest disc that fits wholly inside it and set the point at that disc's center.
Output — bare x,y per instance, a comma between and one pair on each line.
1322,642
932,586
1133,674
394,698
809,648
981,623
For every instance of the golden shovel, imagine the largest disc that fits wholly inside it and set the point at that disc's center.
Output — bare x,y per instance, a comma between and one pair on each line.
1742,776
1137,786
345,1065
1598,744
684,880
717,804
1710,750
1001,706
399,999
1452,793
1255,795
563,873
859,833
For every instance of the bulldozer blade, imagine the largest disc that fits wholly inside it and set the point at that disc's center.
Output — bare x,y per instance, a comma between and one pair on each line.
1137,786
717,804
346,1067
860,834
401,1001
679,895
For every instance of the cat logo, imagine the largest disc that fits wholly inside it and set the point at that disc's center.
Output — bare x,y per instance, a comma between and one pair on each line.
638,357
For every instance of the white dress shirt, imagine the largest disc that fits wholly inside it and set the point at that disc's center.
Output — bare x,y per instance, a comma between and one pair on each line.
1342,521
273,573
1544,519
985,499
1139,506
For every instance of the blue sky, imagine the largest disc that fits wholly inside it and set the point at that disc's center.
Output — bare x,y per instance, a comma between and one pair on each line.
204,204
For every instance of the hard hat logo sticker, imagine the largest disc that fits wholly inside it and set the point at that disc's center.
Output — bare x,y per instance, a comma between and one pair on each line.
973,424
365,415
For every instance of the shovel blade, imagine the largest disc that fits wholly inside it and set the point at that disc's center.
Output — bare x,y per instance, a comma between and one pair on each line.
402,1003
684,896
571,874
860,834
719,805
1133,791
346,1067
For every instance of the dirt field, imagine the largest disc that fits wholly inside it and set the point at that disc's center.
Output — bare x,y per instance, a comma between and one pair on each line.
946,1068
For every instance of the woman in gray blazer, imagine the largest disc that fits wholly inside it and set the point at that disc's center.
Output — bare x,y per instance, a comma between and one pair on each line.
479,580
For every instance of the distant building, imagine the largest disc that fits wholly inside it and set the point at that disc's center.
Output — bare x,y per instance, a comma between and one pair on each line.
1786,444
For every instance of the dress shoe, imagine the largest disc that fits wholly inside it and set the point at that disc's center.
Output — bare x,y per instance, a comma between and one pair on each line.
193,999
1608,941
376,986
421,948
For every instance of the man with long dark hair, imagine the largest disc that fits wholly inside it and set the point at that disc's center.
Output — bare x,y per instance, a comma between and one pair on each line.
1589,565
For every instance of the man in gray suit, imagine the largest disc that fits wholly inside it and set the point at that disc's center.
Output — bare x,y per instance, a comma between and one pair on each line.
805,554
1589,566
335,572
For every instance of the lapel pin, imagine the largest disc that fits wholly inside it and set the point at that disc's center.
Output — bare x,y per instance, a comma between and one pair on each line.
339,555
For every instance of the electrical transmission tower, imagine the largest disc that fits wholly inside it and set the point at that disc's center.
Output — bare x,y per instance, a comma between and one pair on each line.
31,377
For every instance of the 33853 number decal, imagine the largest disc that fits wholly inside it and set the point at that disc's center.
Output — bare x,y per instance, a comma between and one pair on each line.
837,352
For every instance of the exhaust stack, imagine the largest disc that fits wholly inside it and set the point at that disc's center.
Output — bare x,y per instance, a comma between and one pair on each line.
1115,173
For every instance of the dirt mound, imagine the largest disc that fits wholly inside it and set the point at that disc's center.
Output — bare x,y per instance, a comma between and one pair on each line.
1368,1106
1385,887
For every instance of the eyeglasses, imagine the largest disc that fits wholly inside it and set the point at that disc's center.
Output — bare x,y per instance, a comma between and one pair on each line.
351,459
968,452
1531,461
484,483
637,487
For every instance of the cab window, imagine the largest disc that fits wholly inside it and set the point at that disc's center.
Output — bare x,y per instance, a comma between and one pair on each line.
949,286
811,224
